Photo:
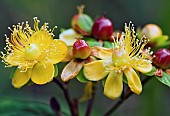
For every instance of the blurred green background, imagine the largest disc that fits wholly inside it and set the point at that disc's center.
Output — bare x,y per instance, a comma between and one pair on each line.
154,100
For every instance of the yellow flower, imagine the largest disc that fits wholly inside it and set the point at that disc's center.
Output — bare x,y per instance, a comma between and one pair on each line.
125,56
33,52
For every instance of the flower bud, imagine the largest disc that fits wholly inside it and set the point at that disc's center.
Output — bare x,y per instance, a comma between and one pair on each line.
81,22
162,58
151,31
81,49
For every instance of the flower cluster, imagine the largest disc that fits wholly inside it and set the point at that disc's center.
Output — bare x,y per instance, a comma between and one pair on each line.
125,56
91,50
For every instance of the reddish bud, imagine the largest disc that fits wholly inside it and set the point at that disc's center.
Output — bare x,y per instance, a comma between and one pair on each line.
81,22
102,28
81,49
162,58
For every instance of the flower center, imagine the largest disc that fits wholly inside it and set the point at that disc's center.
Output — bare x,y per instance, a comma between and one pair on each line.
120,57
32,52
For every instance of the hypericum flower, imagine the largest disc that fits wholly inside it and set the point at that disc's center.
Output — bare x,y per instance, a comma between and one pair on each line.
126,54
33,52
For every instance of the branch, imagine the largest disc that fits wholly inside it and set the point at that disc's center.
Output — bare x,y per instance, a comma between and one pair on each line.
91,101
59,83
64,87
128,94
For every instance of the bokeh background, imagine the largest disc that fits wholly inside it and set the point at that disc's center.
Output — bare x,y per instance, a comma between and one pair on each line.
154,100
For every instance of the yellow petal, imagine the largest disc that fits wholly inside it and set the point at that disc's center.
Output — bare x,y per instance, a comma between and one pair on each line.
71,70
42,72
95,70
18,57
133,80
58,50
69,36
21,78
142,65
41,38
105,53
102,53
114,85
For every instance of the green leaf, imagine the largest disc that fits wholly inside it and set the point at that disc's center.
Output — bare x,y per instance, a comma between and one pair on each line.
161,40
89,39
56,70
12,72
24,108
107,44
125,79
81,77
165,79
151,73
92,44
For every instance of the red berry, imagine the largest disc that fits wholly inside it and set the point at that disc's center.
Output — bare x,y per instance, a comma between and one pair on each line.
162,58
81,49
102,28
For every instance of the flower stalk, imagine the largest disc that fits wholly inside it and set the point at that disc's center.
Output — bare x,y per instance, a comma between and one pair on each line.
64,87
91,101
